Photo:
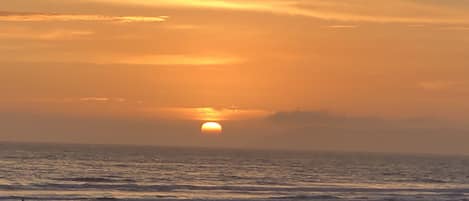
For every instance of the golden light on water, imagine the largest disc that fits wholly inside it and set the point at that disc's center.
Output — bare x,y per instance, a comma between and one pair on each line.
211,128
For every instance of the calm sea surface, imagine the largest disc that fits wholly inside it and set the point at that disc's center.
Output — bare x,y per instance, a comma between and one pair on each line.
96,172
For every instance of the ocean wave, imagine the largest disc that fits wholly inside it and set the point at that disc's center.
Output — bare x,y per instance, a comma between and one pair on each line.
151,188
96,179
307,197
58,198
77,198
429,180
420,180
105,199
169,188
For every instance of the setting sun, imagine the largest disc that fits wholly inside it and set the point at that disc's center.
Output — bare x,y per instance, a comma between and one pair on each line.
211,128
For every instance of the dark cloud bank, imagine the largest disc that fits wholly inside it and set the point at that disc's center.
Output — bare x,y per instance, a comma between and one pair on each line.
283,130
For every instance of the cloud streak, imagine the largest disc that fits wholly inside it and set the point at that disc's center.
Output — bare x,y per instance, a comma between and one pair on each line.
209,113
55,34
49,17
154,59
342,26
323,130
177,59
332,10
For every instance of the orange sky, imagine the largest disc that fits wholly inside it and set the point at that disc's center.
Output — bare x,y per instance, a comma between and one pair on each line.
151,71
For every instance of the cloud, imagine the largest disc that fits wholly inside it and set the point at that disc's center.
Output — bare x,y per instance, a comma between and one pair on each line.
102,99
457,28
312,120
54,34
49,17
208,113
57,127
90,99
155,59
323,122
302,117
323,130
182,26
333,10
95,99
439,85
175,59
342,26
313,130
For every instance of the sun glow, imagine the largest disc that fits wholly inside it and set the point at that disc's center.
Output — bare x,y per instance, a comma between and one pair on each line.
211,128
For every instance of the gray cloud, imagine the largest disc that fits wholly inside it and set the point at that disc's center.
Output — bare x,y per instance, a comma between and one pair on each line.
32,126
322,130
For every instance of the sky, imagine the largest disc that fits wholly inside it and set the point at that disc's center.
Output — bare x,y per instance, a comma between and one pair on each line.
355,75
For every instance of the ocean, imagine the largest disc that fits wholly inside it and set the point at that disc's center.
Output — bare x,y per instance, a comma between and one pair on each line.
110,172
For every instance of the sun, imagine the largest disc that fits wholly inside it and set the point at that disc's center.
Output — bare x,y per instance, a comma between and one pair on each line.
211,128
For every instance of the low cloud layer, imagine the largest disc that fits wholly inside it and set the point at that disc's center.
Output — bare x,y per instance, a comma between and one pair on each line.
322,130
306,130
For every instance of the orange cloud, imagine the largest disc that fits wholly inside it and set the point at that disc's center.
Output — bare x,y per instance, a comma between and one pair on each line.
36,17
209,113
177,59
29,33
334,10
95,99
342,26
157,59
438,85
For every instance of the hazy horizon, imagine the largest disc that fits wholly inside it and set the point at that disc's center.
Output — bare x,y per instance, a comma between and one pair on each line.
52,144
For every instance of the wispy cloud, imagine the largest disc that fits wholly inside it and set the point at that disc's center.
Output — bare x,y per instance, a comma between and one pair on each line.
44,17
334,10
88,99
176,59
95,99
457,28
55,34
208,113
155,59
342,26
439,85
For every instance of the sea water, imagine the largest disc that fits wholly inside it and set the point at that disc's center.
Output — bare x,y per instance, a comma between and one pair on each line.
105,172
